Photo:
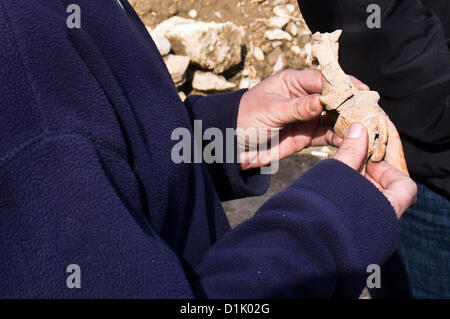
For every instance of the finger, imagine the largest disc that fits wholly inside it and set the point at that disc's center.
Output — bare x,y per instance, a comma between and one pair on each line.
359,85
384,173
399,189
364,169
304,81
304,108
400,198
353,150
374,182
324,135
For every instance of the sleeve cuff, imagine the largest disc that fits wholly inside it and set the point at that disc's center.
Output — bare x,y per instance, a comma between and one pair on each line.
363,208
221,111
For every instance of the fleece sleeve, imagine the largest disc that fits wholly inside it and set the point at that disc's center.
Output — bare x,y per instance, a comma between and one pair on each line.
221,111
61,207
63,215
313,240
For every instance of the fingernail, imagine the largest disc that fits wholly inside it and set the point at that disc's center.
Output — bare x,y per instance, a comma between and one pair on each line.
312,105
355,131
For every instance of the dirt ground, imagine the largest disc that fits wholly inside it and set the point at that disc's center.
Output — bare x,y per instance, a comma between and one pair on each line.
241,13
251,15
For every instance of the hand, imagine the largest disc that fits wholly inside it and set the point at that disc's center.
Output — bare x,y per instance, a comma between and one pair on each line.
286,105
399,189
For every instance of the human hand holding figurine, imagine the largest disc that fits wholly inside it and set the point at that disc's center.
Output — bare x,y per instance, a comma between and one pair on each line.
288,104
399,189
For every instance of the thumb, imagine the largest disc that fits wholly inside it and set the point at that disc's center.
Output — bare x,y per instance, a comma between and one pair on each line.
304,108
353,151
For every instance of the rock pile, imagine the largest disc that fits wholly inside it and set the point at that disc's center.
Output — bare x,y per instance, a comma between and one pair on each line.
208,57
212,46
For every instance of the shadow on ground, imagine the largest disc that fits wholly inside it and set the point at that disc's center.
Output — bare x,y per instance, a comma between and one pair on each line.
290,169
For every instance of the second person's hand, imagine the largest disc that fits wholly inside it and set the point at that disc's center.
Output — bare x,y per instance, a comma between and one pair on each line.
399,189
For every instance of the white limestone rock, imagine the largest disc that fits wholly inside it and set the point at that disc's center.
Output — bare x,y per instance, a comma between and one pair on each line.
247,83
207,82
281,11
278,22
281,64
258,53
213,46
160,40
177,66
277,34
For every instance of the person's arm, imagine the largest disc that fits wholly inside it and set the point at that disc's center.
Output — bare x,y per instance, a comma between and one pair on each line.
407,60
286,104
315,239
221,111
60,204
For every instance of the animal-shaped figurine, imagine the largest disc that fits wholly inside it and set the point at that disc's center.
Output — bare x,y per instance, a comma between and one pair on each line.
352,105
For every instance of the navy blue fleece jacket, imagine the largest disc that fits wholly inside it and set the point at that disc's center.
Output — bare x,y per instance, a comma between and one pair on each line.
86,178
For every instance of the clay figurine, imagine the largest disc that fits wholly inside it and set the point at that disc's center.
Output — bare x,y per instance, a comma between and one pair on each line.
352,105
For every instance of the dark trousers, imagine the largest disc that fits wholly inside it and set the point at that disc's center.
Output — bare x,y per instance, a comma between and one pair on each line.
421,266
